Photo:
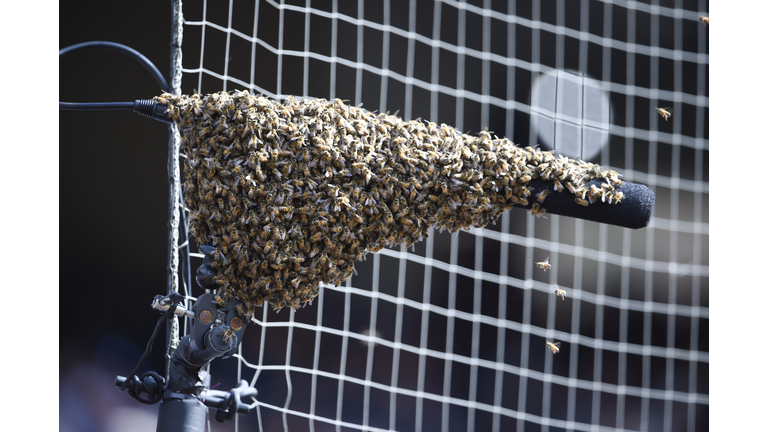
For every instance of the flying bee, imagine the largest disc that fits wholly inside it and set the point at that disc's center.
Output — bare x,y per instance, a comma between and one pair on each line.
544,264
559,292
704,20
664,113
554,346
542,195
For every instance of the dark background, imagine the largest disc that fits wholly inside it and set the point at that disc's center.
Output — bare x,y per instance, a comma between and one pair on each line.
114,190
114,209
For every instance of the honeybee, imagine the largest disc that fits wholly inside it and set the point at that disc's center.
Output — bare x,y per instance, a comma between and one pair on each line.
544,264
220,300
542,195
664,113
272,256
559,292
704,20
580,201
538,211
227,335
268,246
240,311
554,346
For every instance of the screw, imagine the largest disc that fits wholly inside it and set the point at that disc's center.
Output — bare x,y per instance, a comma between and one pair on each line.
236,323
206,316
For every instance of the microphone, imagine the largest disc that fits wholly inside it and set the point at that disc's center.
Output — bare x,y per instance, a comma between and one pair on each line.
290,194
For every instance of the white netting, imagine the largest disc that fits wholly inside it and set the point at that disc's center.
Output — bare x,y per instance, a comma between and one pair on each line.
452,336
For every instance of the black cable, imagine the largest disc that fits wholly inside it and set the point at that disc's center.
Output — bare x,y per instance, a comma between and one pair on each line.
151,341
145,107
95,105
112,46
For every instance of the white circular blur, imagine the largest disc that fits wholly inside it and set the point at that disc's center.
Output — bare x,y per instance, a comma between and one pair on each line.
570,114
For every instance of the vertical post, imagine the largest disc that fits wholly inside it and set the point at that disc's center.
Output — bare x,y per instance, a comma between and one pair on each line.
174,179
181,415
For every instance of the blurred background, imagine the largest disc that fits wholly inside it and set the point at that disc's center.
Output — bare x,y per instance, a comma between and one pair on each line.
581,77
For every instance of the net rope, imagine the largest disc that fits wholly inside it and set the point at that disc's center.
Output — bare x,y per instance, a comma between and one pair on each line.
450,335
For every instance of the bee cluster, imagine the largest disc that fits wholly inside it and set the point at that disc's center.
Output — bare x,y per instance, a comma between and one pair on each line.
291,194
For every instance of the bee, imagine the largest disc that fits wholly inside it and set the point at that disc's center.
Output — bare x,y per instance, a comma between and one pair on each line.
538,211
664,113
316,237
268,246
272,256
542,195
559,292
220,300
544,264
227,335
220,280
704,20
580,201
554,346
240,311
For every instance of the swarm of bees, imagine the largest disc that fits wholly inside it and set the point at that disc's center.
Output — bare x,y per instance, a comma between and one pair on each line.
291,194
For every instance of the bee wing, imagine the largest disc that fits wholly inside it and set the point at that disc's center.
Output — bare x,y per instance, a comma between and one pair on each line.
557,344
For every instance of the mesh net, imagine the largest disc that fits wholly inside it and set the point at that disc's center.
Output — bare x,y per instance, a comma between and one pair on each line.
451,335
